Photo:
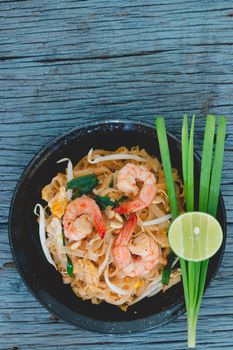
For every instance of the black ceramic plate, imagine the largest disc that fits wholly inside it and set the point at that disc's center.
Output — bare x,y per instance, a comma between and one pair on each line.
42,279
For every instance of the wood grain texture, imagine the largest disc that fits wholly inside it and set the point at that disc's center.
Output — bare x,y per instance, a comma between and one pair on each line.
66,62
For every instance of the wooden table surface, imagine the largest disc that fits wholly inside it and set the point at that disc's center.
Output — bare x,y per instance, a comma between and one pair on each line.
64,62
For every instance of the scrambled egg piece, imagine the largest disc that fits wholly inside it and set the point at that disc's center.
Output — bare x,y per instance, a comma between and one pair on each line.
50,190
59,203
91,272
139,283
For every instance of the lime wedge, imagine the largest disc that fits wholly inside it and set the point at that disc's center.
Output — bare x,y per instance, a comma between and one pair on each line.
195,236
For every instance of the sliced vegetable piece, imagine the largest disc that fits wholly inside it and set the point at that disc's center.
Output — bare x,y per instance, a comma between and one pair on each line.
195,236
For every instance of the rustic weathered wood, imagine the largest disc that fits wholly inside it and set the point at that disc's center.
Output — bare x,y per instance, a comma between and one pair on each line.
66,62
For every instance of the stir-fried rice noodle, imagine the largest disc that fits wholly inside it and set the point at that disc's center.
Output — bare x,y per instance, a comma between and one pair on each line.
96,275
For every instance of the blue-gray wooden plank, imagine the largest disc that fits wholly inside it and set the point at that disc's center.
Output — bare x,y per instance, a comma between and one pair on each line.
67,61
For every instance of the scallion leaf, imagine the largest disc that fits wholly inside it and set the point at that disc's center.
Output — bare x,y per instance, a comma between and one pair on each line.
188,175
185,153
69,266
190,207
217,167
168,269
190,171
166,161
185,156
206,163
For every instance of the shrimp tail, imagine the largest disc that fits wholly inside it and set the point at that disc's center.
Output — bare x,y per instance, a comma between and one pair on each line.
121,210
130,207
99,224
101,231
127,230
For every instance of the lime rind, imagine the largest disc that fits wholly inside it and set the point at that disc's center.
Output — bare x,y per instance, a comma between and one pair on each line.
199,245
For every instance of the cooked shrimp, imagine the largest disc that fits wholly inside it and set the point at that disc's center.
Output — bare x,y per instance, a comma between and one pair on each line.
144,247
80,216
127,180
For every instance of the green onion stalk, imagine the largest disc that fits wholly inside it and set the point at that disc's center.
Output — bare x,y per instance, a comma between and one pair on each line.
194,273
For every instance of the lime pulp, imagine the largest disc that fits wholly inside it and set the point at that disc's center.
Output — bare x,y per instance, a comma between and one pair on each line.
195,236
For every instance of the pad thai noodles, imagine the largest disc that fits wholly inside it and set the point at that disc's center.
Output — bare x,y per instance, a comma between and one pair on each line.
105,223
